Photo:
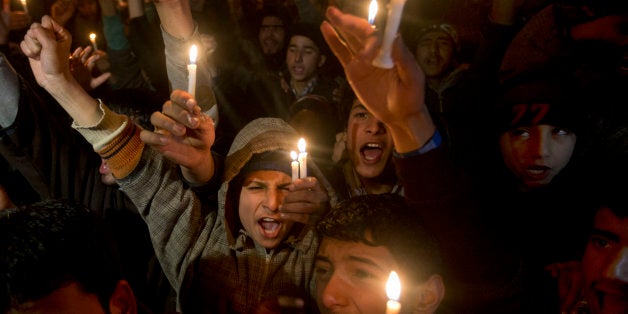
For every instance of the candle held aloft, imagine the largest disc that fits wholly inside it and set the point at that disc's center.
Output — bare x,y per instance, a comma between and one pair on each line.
294,165
373,7
393,291
192,71
383,59
24,6
92,38
302,158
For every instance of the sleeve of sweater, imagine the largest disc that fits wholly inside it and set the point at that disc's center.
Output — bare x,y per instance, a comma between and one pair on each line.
179,228
177,59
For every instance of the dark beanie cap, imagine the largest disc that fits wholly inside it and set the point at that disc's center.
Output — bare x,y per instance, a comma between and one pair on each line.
277,160
540,100
311,31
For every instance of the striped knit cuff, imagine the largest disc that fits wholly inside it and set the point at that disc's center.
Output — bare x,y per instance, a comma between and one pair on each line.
123,153
107,128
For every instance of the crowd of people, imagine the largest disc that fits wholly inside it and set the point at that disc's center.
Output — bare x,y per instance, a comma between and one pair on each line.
490,176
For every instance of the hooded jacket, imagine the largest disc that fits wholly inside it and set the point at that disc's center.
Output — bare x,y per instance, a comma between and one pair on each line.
208,257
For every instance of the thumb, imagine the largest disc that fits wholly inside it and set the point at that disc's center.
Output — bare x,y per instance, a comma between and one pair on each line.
100,80
407,68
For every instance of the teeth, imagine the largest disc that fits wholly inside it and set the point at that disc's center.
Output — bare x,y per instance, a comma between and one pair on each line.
373,145
268,219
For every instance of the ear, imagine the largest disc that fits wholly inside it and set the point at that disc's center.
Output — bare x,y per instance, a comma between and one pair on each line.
122,300
321,60
429,295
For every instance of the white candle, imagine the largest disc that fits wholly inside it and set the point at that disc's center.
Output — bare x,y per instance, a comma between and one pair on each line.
92,38
24,6
393,291
192,71
294,165
383,60
373,7
302,158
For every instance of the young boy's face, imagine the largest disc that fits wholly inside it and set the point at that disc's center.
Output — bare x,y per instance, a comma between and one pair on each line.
435,53
369,144
536,154
605,264
303,58
262,193
351,277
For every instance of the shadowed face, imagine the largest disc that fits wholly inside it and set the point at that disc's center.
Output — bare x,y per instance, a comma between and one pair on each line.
536,154
303,58
435,54
351,276
605,264
272,35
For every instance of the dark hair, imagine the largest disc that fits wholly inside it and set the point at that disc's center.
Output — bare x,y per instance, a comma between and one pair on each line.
385,220
46,245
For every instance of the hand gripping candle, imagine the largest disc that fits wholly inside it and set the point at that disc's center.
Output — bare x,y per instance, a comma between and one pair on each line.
383,59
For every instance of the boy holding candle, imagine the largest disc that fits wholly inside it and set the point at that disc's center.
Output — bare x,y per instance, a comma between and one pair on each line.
481,274
224,256
365,238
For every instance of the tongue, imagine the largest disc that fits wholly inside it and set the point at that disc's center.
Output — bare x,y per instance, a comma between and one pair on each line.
372,153
269,226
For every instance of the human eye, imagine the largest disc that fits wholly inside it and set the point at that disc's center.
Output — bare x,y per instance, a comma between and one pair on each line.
560,131
254,186
520,132
360,114
363,273
600,242
322,269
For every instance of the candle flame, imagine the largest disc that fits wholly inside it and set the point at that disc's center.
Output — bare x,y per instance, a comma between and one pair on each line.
193,54
301,145
373,7
393,286
92,36
293,155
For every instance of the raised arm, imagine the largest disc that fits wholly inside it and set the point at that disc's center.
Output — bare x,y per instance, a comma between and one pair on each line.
394,96
47,45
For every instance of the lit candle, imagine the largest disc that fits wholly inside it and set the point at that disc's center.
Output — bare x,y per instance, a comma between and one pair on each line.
373,7
24,6
92,38
294,165
192,71
383,60
302,158
393,291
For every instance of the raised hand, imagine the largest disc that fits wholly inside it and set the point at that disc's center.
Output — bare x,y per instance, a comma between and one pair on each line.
62,11
82,63
184,135
570,283
394,96
47,46
306,201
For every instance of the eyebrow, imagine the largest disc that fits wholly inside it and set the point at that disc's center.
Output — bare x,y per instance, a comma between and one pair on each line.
362,260
358,106
605,233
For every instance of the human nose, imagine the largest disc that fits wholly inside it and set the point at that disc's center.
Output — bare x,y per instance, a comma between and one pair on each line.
618,268
334,293
273,199
298,56
540,144
375,126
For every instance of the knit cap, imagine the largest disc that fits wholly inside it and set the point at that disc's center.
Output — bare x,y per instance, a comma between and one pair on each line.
541,98
311,31
443,28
